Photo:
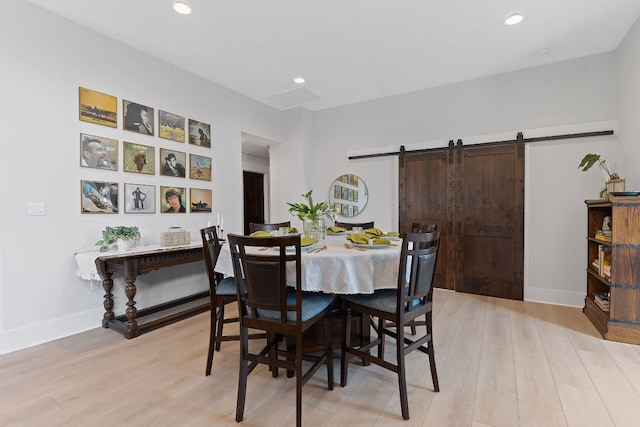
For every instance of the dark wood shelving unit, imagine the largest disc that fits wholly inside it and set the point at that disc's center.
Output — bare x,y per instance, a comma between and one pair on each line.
622,321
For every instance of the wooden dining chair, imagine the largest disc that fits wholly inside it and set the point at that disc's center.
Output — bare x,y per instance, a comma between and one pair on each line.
222,291
272,300
412,298
256,226
350,225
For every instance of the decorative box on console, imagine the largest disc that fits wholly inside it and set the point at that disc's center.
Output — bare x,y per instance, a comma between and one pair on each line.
176,236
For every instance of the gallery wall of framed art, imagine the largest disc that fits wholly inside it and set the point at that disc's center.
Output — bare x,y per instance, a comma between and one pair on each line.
159,160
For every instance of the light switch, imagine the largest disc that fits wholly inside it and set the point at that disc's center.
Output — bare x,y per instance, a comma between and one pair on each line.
36,208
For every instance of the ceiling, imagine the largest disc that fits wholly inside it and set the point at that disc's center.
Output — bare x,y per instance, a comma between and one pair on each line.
353,50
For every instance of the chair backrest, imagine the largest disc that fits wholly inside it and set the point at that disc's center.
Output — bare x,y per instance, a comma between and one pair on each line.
417,270
256,226
350,225
211,251
416,227
262,279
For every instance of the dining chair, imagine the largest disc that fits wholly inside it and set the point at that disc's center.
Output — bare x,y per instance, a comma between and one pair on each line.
256,226
273,301
350,225
412,298
417,227
222,291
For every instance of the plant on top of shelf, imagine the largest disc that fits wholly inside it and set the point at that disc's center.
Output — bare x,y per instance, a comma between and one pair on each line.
614,182
591,159
311,211
111,235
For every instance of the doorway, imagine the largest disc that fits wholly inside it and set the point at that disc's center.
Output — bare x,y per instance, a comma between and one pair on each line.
475,195
253,190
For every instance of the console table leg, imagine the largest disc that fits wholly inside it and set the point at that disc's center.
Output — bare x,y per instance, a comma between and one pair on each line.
107,285
131,324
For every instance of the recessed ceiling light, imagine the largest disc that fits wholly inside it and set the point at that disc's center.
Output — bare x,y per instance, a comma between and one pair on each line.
182,8
298,80
513,19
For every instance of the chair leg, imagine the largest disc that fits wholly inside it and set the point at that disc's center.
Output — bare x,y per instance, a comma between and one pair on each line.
212,340
346,343
328,339
402,378
243,372
381,336
220,316
432,357
299,381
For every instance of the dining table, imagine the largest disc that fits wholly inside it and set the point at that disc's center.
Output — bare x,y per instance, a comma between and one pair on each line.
335,265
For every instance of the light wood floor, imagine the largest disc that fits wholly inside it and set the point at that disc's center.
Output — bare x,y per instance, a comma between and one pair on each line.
500,363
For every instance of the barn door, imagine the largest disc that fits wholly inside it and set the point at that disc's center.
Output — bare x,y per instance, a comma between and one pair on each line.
476,196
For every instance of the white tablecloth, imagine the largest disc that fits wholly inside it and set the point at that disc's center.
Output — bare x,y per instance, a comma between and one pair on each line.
339,270
87,260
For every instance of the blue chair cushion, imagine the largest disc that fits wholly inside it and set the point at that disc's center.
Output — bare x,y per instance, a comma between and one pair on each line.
383,300
312,304
227,286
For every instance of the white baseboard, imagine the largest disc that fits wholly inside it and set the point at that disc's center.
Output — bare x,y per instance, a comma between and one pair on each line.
28,336
554,296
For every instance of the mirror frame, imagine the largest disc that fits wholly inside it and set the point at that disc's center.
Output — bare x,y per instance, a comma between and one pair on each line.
349,195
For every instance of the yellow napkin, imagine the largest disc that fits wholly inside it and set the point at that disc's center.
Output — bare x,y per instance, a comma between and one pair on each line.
360,239
260,233
378,241
307,241
293,230
391,234
373,231
336,229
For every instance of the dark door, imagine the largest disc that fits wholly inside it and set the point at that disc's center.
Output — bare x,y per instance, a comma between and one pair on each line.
490,215
476,196
419,203
253,185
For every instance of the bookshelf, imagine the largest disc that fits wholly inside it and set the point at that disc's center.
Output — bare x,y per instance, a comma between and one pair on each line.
622,321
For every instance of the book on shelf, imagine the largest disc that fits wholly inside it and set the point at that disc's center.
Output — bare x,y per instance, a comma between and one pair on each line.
603,265
602,300
604,232
603,238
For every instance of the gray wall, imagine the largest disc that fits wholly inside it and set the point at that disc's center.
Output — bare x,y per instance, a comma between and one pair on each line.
44,61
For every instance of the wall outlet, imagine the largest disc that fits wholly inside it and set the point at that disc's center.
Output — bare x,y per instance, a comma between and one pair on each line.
36,208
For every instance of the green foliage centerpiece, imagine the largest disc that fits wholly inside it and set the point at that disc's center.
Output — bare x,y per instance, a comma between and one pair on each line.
111,235
312,215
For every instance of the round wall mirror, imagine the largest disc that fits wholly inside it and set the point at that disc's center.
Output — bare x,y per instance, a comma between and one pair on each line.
349,195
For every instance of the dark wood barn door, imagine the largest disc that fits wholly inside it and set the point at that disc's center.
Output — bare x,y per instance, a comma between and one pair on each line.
476,196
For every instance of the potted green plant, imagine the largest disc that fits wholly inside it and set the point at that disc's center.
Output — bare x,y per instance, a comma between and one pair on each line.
122,236
613,182
312,214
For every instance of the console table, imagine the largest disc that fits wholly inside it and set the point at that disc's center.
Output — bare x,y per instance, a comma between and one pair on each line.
137,262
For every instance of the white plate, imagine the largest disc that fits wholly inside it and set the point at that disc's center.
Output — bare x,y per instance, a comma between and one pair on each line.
359,245
292,249
390,237
342,233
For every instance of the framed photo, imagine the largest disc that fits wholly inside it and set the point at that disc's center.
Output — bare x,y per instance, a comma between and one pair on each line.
139,199
98,197
98,108
199,133
199,167
201,200
171,126
173,199
172,163
138,158
98,152
137,117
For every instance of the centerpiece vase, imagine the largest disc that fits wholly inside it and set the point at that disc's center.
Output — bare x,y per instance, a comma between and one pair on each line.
314,228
